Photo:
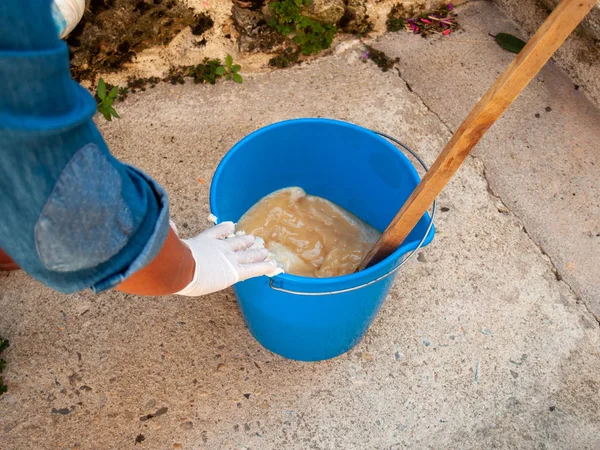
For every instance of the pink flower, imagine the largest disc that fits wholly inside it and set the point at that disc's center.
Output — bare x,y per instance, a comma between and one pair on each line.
447,32
425,21
413,27
450,7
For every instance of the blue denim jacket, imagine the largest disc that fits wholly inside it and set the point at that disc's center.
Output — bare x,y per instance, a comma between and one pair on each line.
71,215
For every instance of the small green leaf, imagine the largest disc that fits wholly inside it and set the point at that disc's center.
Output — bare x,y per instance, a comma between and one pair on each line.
104,111
509,42
229,61
236,68
220,70
113,92
113,112
101,89
237,78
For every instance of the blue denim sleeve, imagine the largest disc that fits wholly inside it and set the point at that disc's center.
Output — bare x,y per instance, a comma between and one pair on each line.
71,215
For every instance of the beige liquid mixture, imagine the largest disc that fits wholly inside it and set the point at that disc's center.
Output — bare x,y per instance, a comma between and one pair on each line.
309,236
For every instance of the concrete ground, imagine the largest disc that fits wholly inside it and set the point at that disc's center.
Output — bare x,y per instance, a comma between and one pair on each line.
486,341
542,158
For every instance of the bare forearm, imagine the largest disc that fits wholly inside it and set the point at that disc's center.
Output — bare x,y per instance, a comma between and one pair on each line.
171,271
6,262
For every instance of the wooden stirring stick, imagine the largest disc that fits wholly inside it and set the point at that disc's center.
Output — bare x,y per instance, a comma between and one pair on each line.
553,32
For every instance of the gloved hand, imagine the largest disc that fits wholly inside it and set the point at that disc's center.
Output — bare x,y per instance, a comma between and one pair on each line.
222,261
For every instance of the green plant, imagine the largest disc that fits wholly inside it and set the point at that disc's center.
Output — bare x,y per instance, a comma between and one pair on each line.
395,23
383,61
230,70
509,42
310,35
207,72
123,93
105,106
3,346
314,37
285,59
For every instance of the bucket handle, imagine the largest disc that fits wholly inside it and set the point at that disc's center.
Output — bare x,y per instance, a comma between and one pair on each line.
394,269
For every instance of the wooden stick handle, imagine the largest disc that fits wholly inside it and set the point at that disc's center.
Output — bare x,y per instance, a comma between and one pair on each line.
553,32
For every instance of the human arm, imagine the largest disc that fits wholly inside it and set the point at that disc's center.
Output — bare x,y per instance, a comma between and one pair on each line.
211,261
71,215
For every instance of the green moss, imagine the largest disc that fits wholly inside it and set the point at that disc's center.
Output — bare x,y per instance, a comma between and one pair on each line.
395,24
289,57
383,61
310,35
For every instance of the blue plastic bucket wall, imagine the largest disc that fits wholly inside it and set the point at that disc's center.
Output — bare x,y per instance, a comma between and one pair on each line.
349,165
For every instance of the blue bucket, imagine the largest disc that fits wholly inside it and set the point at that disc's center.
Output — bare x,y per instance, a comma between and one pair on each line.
311,319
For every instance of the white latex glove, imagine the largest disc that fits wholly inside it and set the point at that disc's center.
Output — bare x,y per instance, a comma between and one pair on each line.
223,259
67,14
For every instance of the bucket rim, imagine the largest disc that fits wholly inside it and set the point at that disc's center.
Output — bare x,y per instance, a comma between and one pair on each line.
353,278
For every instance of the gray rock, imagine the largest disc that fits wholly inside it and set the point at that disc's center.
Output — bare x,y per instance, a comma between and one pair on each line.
325,11
161,411
150,404
245,20
62,411
158,413
355,19
262,38
187,425
255,34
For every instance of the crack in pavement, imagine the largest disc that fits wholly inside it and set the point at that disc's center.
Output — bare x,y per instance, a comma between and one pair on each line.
494,195
409,87
555,271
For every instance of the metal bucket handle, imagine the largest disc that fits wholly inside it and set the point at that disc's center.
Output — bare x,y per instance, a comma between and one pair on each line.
399,265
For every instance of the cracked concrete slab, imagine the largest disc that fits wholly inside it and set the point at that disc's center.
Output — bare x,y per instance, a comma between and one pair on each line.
542,157
478,345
